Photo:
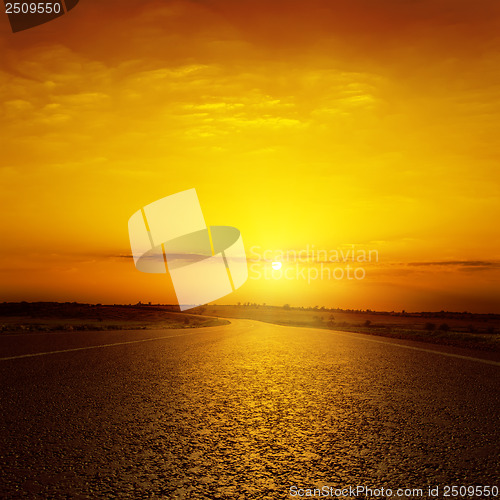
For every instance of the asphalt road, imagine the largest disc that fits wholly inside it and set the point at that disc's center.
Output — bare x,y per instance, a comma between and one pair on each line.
245,411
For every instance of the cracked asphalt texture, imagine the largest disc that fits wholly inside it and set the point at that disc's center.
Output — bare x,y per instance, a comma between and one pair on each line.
243,411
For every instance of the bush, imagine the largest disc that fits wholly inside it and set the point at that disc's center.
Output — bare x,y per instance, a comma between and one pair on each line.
318,320
430,327
331,321
444,327
367,323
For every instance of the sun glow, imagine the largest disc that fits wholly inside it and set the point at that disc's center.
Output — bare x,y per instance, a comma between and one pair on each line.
301,109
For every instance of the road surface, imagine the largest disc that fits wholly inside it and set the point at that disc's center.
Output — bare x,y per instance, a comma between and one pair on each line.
244,411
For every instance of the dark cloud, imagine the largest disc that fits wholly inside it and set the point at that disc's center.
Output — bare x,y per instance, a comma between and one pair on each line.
459,263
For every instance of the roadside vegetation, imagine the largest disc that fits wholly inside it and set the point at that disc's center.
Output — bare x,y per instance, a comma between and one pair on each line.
477,331
72,316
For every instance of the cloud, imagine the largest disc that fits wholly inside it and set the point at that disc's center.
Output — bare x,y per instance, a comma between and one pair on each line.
316,120
459,263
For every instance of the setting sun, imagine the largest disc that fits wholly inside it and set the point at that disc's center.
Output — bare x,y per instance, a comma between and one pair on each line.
363,125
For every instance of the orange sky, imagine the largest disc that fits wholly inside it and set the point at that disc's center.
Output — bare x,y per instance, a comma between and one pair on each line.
321,123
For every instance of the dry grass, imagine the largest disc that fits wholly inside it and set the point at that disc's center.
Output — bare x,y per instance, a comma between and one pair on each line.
477,331
48,317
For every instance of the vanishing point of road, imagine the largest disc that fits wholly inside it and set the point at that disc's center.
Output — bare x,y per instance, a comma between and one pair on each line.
243,411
